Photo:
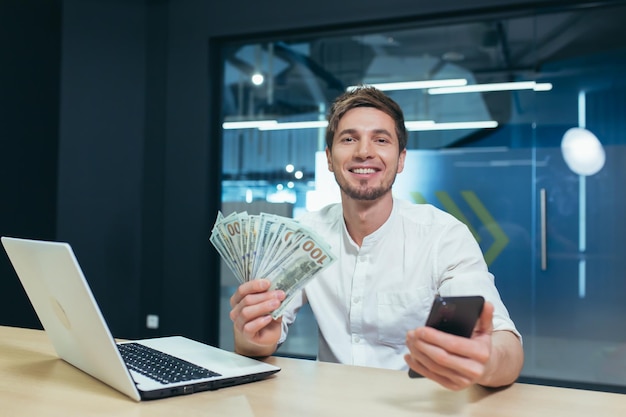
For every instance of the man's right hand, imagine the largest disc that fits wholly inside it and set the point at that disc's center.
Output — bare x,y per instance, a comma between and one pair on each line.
256,333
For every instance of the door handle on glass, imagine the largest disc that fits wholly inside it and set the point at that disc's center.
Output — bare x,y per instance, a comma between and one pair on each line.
544,231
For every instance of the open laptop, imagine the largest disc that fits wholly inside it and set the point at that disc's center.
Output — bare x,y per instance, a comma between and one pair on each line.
64,303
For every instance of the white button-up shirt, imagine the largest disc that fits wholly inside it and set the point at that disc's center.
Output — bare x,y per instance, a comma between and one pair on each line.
372,295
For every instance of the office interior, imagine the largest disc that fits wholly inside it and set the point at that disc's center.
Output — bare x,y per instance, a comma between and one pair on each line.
114,139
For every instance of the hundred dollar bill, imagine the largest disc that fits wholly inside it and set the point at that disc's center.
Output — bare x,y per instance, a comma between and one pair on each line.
232,225
270,226
269,246
226,239
252,235
281,245
294,272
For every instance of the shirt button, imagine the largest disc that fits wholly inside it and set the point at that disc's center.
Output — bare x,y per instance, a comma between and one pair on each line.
356,300
356,338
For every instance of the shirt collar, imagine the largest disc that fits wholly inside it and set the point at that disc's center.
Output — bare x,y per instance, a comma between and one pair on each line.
375,236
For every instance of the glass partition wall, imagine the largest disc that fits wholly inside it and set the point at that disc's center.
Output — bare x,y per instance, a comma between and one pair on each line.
517,127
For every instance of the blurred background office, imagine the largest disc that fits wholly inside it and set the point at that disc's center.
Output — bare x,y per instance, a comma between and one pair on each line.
120,124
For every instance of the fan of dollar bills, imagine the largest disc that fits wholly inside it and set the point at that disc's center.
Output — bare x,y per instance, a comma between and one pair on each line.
273,247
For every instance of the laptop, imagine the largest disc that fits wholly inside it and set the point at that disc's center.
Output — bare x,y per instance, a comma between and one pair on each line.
67,309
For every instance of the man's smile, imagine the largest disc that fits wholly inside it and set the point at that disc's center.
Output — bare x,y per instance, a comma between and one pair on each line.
363,170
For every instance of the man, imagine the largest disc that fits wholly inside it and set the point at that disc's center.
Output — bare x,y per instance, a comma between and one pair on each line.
393,259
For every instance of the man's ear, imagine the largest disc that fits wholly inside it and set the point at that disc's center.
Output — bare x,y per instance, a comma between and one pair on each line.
401,160
329,159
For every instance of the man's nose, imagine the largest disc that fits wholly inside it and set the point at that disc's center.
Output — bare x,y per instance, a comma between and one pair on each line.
363,149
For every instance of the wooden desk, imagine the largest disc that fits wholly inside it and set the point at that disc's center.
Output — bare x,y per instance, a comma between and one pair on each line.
34,382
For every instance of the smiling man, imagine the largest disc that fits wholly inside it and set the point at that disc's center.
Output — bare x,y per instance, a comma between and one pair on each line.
394,257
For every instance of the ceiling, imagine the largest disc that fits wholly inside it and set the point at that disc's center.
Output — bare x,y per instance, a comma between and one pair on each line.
302,77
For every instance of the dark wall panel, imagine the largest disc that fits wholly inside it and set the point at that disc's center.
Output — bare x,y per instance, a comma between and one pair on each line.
30,44
101,163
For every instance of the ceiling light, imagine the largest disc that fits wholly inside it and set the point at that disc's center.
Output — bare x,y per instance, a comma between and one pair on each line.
411,125
248,124
295,125
453,56
582,151
418,124
257,78
415,85
487,124
480,88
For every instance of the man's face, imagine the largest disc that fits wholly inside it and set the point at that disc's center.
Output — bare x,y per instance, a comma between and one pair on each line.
365,156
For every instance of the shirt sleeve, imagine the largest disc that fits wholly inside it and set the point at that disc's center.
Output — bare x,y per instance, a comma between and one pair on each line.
289,314
462,270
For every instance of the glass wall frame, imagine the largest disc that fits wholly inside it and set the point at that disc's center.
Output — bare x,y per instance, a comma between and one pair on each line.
552,236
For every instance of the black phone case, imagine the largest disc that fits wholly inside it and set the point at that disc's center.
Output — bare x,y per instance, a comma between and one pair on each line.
456,315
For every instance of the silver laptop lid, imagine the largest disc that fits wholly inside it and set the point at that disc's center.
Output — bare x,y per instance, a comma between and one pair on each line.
64,304
68,311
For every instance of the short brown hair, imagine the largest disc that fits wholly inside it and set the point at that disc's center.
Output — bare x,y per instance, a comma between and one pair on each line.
365,96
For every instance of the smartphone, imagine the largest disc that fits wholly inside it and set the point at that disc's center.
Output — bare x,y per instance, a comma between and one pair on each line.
455,315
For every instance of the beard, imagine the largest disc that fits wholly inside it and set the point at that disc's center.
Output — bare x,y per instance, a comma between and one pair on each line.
363,191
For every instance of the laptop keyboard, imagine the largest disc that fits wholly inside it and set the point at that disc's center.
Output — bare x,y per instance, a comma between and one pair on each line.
160,366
